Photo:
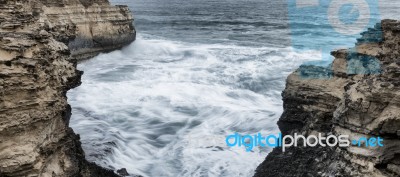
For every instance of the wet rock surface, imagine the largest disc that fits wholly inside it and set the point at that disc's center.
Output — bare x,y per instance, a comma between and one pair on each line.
358,95
38,56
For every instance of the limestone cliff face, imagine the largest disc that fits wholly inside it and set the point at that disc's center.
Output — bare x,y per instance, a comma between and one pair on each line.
100,26
359,96
36,71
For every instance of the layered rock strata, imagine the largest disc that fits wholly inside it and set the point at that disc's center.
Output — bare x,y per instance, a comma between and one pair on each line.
358,95
40,41
101,27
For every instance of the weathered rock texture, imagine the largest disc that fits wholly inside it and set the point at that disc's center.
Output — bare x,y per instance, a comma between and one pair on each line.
101,27
36,71
358,97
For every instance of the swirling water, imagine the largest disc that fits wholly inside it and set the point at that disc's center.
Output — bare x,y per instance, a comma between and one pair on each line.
199,70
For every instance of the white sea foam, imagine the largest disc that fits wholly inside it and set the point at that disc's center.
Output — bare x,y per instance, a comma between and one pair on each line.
163,108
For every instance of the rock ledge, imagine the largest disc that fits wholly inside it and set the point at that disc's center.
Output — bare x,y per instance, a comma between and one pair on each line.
40,42
358,95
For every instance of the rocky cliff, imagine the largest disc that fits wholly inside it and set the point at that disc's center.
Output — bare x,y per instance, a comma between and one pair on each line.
100,27
40,41
358,95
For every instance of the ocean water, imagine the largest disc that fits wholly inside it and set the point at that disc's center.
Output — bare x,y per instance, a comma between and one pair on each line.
199,70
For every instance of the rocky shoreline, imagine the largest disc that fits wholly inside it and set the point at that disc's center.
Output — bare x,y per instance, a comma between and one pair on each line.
358,95
42,40
40,43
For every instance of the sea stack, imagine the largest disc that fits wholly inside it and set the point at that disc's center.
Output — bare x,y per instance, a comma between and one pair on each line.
355,96
40,43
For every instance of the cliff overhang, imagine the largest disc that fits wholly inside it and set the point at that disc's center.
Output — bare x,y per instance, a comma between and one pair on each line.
40,43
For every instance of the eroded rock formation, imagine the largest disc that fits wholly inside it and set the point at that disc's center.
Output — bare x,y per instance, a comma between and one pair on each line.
359,95
40,41
101,27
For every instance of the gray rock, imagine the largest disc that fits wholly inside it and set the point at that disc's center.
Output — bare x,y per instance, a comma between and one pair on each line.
358,104
36,71
123,172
